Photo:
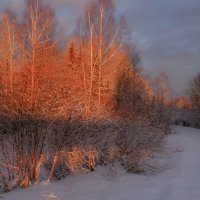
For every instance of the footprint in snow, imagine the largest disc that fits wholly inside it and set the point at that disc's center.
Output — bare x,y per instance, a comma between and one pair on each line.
51,196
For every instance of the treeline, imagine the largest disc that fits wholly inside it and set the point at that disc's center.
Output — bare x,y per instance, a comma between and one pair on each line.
74,107
195,100
39,78
186,110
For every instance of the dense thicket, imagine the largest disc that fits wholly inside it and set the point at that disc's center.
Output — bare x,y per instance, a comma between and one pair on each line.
74,108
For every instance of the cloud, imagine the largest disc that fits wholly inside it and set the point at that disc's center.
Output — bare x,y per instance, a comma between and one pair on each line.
67,2
11,4
167,34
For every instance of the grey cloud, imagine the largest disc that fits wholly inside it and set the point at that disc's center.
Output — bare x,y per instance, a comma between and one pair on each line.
14,5
167,34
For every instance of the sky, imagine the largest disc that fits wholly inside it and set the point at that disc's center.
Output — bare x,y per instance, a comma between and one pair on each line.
166,32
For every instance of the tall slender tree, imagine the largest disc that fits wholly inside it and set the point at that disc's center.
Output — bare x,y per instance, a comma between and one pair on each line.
8,54
195,93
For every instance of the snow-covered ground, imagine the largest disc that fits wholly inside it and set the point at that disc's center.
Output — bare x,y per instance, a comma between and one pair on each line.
180,182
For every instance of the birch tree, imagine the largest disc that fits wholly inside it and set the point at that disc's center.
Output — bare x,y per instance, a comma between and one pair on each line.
7,53
39,47
106,40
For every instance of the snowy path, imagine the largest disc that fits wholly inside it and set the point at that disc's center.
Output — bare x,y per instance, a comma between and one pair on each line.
180,182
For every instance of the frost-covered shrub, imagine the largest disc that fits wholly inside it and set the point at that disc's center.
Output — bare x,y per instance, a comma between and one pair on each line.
22,141
84,145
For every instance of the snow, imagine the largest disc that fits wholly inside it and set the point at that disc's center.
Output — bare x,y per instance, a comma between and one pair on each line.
180,182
